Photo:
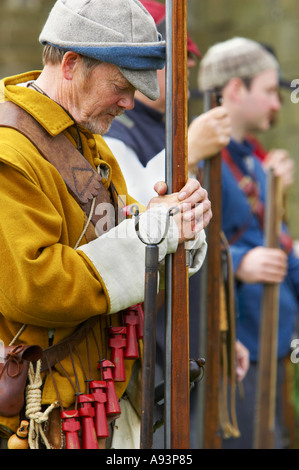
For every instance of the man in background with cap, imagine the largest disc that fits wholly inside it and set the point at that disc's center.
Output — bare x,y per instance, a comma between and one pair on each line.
247,76
276,158
69,254
137,137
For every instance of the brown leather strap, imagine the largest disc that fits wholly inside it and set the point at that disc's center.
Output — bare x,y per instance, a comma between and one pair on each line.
83,183
59,351
81,178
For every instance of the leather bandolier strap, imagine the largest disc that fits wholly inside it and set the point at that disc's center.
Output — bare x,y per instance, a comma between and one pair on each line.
83,182
59,351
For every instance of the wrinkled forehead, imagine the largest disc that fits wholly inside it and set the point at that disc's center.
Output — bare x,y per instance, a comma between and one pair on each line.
268,79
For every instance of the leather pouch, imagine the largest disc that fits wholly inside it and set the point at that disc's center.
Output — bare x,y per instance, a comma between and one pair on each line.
14,365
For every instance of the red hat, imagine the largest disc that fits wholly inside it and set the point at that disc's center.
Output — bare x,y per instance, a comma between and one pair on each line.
157,10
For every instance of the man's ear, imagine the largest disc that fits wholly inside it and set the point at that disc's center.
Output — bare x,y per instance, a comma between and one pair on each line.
70,63
236,89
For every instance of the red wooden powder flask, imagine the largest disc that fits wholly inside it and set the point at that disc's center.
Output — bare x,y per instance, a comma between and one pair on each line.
71,426
112,404
87,412
98,390
131,320
117,342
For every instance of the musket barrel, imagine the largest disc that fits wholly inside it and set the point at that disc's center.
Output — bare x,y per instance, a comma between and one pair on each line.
149,346
168,260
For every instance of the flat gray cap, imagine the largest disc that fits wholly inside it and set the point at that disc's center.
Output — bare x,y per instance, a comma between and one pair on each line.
237,57
120,32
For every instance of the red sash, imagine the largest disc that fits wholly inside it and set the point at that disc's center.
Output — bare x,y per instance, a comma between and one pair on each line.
251,190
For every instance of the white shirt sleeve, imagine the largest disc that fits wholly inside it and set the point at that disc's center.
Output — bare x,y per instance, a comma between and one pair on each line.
121,264
140,183
135,173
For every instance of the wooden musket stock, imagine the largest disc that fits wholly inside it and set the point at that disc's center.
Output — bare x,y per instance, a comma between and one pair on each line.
267,365
209,325
177,432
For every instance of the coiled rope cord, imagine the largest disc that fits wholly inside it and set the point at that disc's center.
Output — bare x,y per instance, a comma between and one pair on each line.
33,408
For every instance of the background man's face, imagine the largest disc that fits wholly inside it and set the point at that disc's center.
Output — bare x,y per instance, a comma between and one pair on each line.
261,101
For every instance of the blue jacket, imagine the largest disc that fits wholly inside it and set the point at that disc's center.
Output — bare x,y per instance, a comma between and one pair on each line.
238,220
141,128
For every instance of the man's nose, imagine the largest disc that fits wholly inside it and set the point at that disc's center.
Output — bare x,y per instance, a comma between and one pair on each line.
127,100
276,105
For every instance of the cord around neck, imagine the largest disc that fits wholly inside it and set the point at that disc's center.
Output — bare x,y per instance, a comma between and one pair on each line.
33,85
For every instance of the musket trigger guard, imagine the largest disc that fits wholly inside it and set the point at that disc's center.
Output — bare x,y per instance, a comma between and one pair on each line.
134,209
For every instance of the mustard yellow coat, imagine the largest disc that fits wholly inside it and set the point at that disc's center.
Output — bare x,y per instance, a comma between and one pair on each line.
44,282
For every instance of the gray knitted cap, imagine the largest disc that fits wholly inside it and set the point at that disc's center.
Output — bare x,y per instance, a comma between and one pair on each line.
121,32
236,57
